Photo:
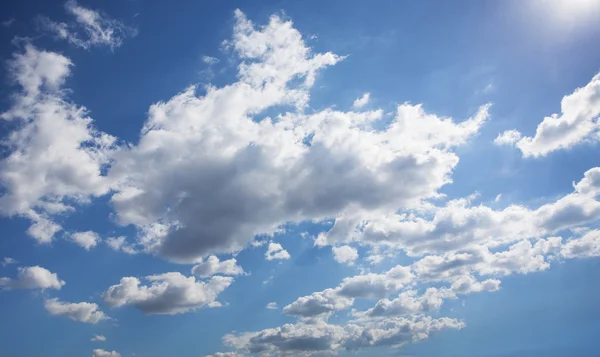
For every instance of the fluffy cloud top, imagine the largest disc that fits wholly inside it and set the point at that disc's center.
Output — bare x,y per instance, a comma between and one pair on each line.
34,277
276,252
169,293
82,312
212,266
578,122
362,101
98,338
86,240
103,353
345,254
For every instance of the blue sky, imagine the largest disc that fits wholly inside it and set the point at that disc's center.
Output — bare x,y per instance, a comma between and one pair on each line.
279,178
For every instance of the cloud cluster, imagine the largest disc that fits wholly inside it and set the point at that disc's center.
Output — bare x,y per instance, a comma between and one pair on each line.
169,293
316,338
86,240
276,252
345,254
90,28
103,353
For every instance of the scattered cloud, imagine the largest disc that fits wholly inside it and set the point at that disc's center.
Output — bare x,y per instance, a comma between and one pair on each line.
9,22
90,28
362,101
8,261
169,293
83,312
345,254
210,60
86,240
272,306
103,353
120,244
576,123
213,266
34,277
98,338
276,252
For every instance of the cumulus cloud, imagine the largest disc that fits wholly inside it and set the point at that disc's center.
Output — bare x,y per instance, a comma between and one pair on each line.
169,293
56,155
323,165
34,277
584,247
276,252
98,338
90,28
8,261
272,306
86,240
213,266
321,337
103,353
577,123
345,254
458,224
362,101
365,286
83,312
120,244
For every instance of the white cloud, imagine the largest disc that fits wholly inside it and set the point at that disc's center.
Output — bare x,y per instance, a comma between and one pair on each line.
212,266
169,293
509,137
275,251
83,312
323,338
345,254
103,353
87,240
8,261
210,60
319,166
90,28
362,101
577,123
98,338
586,246
57,156
120,244
226,354
272,306
34,277
366,286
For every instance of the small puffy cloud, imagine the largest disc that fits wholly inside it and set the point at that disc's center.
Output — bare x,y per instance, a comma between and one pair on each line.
87,240
362,101
98,338
275,251
103,353
467,284
210,60
8,261
345,254
213,266
83,311
169,293
577,123
272,306
590,183
120,244
34,277
90,28
509,137
9,22
226,354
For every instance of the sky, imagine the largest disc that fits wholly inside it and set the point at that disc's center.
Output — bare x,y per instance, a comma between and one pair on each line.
285,178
